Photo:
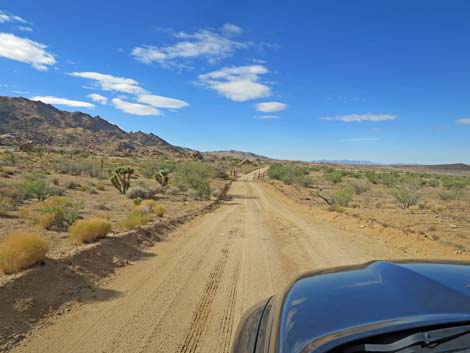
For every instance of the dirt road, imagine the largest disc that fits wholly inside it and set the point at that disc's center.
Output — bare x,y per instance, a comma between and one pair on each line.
189,294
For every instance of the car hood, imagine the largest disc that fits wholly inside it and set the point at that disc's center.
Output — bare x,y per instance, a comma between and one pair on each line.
322,309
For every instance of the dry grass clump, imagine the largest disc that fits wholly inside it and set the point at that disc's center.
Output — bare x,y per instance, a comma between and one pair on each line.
86,230
21,250
138,217
159,210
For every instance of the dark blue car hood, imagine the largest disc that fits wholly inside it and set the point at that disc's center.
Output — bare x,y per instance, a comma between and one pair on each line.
321,309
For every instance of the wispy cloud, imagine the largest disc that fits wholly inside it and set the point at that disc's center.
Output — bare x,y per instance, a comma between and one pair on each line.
238,83
360,139
270,107
127,85
134,108
230,29
162,102
112,83
360,117
266,117
25,50
24,28
463,121
95,97
205,44
63,101
8,17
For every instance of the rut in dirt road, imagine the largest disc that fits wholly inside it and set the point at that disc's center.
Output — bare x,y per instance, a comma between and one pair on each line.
189,296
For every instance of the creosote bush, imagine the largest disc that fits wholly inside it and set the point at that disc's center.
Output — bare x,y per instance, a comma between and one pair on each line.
342,197
58,213
360,187
195,176
86,230
290,174
36,187
21,250
334,176
406,193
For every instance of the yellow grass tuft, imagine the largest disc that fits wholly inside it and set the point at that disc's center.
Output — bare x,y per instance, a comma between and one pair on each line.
137,217
159,210
86,230
21,250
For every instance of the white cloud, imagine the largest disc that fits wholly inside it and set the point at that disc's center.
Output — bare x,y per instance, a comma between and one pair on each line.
5,17
360,117
230,29
162,102
238,83
95,97
266,117
209,45
270,107
26,51
134,108
463,121
360,139
63,101
112,83
25,28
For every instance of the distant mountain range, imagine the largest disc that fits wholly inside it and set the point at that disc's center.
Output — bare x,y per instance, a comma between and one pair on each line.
23,121
346,161
236,154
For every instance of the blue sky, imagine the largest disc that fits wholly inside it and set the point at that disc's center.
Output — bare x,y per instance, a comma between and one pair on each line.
384,81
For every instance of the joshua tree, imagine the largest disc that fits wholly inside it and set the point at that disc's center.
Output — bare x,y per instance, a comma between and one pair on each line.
162,177
121,178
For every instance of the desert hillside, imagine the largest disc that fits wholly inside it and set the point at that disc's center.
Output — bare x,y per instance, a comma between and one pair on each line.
25,122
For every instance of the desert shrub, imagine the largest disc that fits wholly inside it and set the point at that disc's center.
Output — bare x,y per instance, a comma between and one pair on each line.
360,187
138,191
173,191
334,176
195,176
72,185
433,182
149,168
406,193
137,201
86,230
454,182
388,179
437,208
7,158
372,176
58,213
452,194
12,191
342,197
55,181
137,217
35,186
159,210
84,188
100,187
220,172
290,174
21,250
6,204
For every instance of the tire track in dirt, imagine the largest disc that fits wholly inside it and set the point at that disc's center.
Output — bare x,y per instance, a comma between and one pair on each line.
203,310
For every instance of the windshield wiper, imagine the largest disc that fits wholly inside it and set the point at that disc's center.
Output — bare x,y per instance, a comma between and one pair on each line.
426,337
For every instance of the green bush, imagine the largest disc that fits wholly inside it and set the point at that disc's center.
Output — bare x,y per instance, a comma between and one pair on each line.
406,193
58,213
450,182
372,176
195,176
342,197
36,186
148,168
334,176
452,194
137,201
360,187
290,174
